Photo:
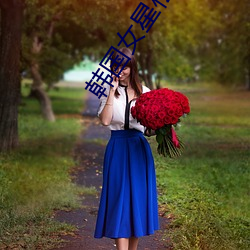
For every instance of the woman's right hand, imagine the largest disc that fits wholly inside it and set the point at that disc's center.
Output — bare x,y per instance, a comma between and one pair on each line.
115,82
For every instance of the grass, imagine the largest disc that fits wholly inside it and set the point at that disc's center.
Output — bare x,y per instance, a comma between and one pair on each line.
34,179
206,190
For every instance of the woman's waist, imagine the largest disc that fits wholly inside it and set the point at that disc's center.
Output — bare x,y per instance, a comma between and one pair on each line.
126,133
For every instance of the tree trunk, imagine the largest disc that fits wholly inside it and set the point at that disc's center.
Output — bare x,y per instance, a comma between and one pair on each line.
158,82
143,75
40,94
149,63
36,88
247,79
145,61
10,46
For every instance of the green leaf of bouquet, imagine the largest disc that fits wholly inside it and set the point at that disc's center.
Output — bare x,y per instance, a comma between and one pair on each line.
157,131
159,138
163,130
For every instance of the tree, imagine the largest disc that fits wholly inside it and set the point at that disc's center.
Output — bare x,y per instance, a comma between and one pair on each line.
232,42
170,48
10,46
56,34
43,56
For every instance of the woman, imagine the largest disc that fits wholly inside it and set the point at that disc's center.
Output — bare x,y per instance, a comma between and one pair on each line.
128,204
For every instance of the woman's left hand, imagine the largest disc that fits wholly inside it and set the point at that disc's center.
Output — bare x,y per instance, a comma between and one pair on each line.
149,132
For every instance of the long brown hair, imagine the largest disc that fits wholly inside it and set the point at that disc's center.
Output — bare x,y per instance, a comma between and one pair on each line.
134,75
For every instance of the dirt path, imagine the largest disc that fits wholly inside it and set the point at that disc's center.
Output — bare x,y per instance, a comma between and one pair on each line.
89,155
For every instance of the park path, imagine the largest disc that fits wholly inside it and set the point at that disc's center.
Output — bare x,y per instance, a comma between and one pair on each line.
89,157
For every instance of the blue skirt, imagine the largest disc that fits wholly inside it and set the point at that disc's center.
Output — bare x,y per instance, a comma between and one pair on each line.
128,204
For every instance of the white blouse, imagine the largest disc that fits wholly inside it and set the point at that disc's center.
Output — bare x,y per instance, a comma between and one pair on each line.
121,120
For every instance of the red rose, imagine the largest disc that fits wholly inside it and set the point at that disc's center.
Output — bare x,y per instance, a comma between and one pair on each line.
162,114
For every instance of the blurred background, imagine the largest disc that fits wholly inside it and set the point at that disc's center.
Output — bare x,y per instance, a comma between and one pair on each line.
198,47
190,41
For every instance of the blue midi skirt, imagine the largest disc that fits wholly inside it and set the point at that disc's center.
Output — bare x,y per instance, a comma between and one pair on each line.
128,204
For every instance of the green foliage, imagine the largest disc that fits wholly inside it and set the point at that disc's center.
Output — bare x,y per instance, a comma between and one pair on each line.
206,189
190,39
179,37
229,44
205,39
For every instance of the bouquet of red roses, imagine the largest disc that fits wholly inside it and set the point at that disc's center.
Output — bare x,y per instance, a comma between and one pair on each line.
160,110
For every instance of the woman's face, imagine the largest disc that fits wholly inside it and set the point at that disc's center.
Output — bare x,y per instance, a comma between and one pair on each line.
125,74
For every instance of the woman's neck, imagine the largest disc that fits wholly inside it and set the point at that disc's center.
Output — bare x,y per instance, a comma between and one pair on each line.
125,83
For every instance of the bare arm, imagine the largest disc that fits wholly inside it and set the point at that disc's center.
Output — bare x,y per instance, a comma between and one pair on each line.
107,112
